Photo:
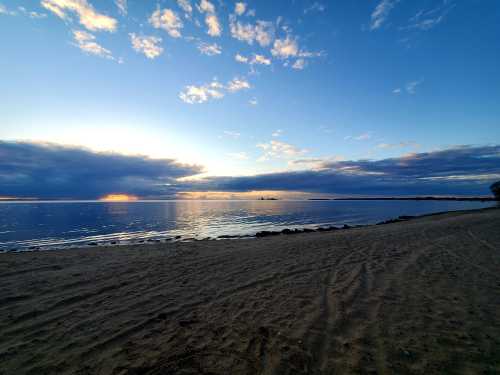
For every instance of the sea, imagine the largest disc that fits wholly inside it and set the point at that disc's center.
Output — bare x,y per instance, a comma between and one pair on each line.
70,224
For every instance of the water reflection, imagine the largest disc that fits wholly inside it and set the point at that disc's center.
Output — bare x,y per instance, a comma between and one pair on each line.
56,224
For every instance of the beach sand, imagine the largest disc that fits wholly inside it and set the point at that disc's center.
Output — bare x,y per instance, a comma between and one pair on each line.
416,297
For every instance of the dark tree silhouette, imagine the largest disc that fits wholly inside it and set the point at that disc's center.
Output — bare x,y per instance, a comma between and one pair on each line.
495,189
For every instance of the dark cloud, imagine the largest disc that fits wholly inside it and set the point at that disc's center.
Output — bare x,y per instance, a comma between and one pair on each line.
54,171
51,171
458,171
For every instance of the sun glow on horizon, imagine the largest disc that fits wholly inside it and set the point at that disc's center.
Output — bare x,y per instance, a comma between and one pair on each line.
119,198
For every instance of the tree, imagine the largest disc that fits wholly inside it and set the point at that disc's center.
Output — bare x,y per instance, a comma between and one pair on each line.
495,189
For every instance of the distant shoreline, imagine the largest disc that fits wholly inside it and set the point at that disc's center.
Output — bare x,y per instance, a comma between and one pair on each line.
460,199
424,198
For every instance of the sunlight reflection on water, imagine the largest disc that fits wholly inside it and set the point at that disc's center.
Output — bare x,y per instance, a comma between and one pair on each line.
59,224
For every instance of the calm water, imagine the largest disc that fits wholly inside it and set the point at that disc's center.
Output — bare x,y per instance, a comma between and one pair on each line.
60,224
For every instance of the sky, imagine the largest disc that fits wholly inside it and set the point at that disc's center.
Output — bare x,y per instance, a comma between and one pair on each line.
180,97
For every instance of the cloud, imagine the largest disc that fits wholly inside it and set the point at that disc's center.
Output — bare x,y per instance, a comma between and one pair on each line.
253,102
86,42
201,94
299,64
427,19
411,87
256,59
279,150
361,137
5,11
315,7
240,8
464,170
88,16
260,59
381,13
148,45
49,171
285,48
241,59
277,133
211,20
262,32
237,84
122,6
213,90
186,6
167,20
206,6
210,49
388,146
214,26
31,14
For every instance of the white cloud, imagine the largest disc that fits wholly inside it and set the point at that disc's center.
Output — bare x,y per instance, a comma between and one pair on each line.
262,32
260,59
279,150
396,91
237,84
285,48
411,87
381,13
213,24
4,10
427,19
300,64
24,11
86,42
122,6
202,94
211,20
388,146
186,6
315,7
210,49
214,90
253,101
240,8
241,59
277,133
167,20
256,59
148,45
363,137
88,16
206,6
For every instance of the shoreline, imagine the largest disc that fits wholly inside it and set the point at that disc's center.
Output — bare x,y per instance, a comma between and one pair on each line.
419,296
313,228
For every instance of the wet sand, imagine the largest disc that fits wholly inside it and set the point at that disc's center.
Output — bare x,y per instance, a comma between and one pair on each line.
415,297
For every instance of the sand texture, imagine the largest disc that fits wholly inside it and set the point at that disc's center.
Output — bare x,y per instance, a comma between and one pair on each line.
416,297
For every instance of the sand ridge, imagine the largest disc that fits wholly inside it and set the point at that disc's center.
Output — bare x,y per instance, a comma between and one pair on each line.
416,297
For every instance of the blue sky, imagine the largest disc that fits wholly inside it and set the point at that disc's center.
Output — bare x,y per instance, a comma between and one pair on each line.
251,88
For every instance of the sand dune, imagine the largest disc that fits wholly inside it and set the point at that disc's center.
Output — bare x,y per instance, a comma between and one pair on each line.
417,297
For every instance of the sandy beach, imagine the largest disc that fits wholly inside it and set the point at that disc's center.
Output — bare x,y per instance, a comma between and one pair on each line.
415,297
